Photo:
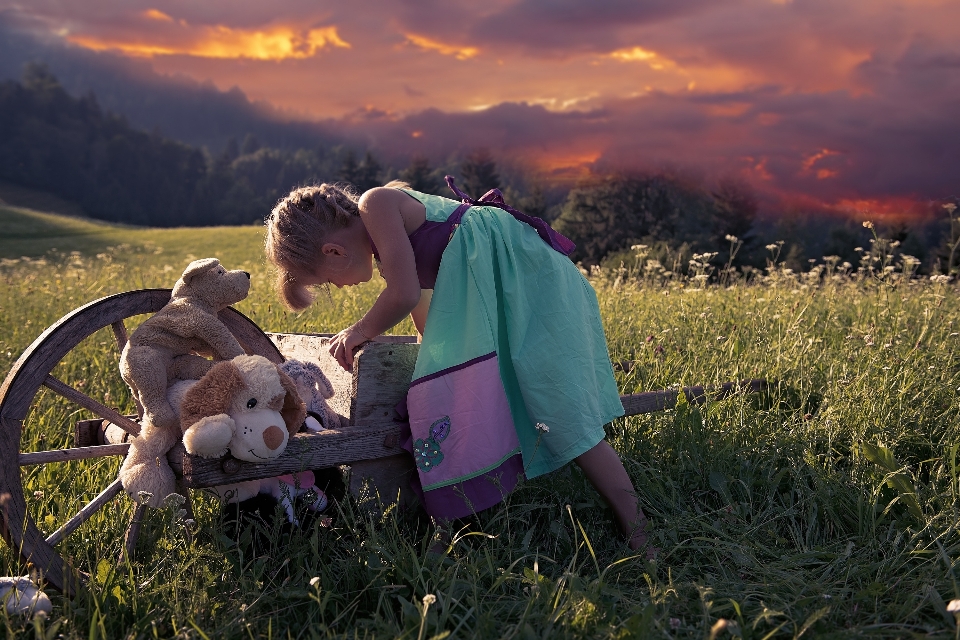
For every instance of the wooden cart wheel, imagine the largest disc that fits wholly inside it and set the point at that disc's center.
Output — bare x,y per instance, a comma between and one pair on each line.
21,391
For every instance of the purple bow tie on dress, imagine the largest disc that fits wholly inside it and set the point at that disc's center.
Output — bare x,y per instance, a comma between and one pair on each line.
494,198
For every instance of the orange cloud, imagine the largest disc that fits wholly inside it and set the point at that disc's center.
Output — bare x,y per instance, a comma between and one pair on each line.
639,54
275,43
460,53
155,14
822,173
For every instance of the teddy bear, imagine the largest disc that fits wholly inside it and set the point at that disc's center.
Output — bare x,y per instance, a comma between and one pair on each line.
314,389
170,346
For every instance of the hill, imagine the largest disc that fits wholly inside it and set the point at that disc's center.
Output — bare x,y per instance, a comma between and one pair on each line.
36,234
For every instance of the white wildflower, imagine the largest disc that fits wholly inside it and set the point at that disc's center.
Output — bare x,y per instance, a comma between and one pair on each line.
731,238
953,606
429,599
542,427
314,581
940,279
867,224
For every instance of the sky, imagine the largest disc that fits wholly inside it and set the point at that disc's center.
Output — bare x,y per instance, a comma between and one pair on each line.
848,103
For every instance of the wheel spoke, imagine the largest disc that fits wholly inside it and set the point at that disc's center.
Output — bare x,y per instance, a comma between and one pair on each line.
74,453
89,403
120,333
92,507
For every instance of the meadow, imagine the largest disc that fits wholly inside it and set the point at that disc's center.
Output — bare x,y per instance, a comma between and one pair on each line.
825,506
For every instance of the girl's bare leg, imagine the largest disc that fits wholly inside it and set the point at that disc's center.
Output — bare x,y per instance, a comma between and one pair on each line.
605,471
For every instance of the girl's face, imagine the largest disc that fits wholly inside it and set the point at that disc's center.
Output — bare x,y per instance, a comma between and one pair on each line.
347,259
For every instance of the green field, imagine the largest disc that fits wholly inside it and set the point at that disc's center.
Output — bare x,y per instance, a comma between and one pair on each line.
825,506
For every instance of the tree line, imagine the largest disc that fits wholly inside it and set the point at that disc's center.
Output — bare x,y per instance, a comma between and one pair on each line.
70,147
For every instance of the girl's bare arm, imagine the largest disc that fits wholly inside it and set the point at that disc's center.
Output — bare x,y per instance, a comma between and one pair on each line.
386,213
381,212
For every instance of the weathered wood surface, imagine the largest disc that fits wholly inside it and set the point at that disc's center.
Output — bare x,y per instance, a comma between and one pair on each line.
313,348
90,404
383,482
329,448
651,401
381,377
366,396
76,453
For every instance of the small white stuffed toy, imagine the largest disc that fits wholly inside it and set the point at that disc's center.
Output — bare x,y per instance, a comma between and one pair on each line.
314,389
22,596
287,488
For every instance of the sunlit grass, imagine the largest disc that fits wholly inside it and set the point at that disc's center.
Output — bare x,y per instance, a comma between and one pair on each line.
774,512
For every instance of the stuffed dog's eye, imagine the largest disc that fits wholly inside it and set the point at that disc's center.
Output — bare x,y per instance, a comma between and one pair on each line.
251,403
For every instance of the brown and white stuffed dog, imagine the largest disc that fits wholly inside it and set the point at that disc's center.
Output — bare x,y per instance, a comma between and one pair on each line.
167,347
247,406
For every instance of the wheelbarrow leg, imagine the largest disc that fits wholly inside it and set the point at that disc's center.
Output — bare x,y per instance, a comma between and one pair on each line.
133,534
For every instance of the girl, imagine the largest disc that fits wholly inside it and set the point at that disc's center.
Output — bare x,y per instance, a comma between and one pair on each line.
513,378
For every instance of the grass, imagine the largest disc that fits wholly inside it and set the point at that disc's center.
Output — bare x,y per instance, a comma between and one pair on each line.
827,506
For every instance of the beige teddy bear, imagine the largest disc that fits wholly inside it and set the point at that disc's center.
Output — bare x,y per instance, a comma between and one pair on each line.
167,347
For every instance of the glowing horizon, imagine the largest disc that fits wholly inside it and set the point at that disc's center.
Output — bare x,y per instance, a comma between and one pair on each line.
851,102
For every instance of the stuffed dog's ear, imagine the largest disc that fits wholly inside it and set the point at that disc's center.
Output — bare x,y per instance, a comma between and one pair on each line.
197,267
212,395
326,389
294,411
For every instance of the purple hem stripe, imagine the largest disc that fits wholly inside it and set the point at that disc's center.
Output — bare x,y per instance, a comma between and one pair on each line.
444,372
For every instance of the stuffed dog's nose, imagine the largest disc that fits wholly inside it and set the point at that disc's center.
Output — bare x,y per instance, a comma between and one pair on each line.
247,274
273,437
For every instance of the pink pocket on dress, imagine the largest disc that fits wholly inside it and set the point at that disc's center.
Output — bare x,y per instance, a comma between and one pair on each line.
461,423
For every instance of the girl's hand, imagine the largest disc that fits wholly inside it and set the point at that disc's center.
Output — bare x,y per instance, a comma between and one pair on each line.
345,343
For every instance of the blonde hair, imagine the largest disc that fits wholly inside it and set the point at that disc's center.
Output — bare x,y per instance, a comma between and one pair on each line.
297,228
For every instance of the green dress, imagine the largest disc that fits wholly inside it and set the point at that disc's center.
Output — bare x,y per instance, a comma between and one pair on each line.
513,376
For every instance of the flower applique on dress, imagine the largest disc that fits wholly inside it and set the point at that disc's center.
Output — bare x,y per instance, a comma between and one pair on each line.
426,451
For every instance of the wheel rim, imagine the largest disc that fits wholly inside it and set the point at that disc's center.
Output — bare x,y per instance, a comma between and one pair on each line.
18,394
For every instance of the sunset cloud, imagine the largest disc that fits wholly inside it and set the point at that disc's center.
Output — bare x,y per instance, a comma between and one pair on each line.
460,53
852,101
217,41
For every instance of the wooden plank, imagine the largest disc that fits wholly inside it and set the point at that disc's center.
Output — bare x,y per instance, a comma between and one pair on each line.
90,404
381,482
76,453
651,401
329,448
84,514
382,374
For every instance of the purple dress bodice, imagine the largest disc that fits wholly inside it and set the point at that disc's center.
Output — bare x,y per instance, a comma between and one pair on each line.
428,242
431,238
